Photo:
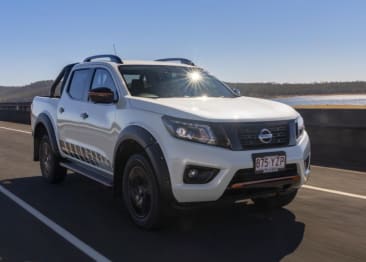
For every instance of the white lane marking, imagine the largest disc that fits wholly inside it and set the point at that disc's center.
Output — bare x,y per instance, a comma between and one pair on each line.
86,249
334,192
16,130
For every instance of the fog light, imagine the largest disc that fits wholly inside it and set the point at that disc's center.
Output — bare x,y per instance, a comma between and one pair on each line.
192,173
199,175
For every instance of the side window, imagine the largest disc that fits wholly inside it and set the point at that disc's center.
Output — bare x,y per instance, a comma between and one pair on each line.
80,83
102,78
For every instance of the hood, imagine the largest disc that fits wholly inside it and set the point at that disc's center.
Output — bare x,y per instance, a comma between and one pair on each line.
218,109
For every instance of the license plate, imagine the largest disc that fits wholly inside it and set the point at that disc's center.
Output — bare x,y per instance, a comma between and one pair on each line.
269,163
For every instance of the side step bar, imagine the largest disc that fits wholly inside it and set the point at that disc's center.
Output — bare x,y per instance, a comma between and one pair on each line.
96,175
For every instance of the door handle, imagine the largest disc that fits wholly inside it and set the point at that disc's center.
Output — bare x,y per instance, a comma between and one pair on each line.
61,110
84,115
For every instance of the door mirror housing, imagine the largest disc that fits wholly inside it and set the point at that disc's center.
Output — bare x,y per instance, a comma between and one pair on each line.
236,91
102,95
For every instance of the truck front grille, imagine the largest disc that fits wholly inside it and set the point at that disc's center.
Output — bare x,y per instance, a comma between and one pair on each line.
248,135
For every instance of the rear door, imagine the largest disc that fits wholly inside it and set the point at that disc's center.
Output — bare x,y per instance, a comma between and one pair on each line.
71,120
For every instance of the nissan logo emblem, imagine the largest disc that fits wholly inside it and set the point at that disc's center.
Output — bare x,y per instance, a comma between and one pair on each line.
265,136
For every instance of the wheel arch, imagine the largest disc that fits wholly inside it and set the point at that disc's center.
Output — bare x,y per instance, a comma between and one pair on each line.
43,126
136,139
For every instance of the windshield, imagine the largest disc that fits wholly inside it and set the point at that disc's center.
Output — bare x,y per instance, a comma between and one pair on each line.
172,81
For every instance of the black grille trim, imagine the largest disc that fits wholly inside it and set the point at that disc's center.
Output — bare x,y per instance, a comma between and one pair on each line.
248,135
244,136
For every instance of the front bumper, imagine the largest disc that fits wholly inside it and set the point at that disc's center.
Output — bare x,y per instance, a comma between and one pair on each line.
180,154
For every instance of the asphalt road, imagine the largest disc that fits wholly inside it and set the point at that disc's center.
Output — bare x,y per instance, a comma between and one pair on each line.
319,225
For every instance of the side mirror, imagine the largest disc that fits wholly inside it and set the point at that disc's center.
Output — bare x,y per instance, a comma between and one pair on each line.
101,95
236,91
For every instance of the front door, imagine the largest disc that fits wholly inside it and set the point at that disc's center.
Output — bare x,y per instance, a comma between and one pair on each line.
101,132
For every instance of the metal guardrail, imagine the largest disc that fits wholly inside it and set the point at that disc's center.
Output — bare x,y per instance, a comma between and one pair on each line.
24,106
15,112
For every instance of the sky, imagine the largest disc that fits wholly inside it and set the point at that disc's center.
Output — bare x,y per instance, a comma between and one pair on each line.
238,41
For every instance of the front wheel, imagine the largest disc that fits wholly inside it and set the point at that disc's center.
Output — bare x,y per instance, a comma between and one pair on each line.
51,170
275,201
141,192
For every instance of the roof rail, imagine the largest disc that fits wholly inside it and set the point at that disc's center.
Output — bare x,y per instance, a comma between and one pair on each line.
112,58
182,60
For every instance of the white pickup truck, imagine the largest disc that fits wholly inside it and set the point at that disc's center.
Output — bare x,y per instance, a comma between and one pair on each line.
167,134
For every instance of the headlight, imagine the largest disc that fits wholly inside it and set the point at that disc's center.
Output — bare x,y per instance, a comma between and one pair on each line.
300,127
196,131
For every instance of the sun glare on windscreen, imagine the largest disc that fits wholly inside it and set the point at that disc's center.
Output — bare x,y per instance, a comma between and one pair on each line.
194,76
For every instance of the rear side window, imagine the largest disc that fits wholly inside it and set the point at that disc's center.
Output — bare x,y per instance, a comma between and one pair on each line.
80,83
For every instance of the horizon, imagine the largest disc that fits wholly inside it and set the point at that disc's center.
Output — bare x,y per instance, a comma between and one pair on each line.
294,42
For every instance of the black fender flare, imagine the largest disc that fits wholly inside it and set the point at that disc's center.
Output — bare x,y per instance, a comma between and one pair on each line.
44,120
153,150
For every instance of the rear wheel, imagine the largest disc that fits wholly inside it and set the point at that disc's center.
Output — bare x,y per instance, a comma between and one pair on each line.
275,201
141,193
51,170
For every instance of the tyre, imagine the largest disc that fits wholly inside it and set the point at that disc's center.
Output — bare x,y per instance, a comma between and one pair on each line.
141,194
275,201
51,170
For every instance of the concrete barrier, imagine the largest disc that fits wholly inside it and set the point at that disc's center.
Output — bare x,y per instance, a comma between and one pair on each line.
338,136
